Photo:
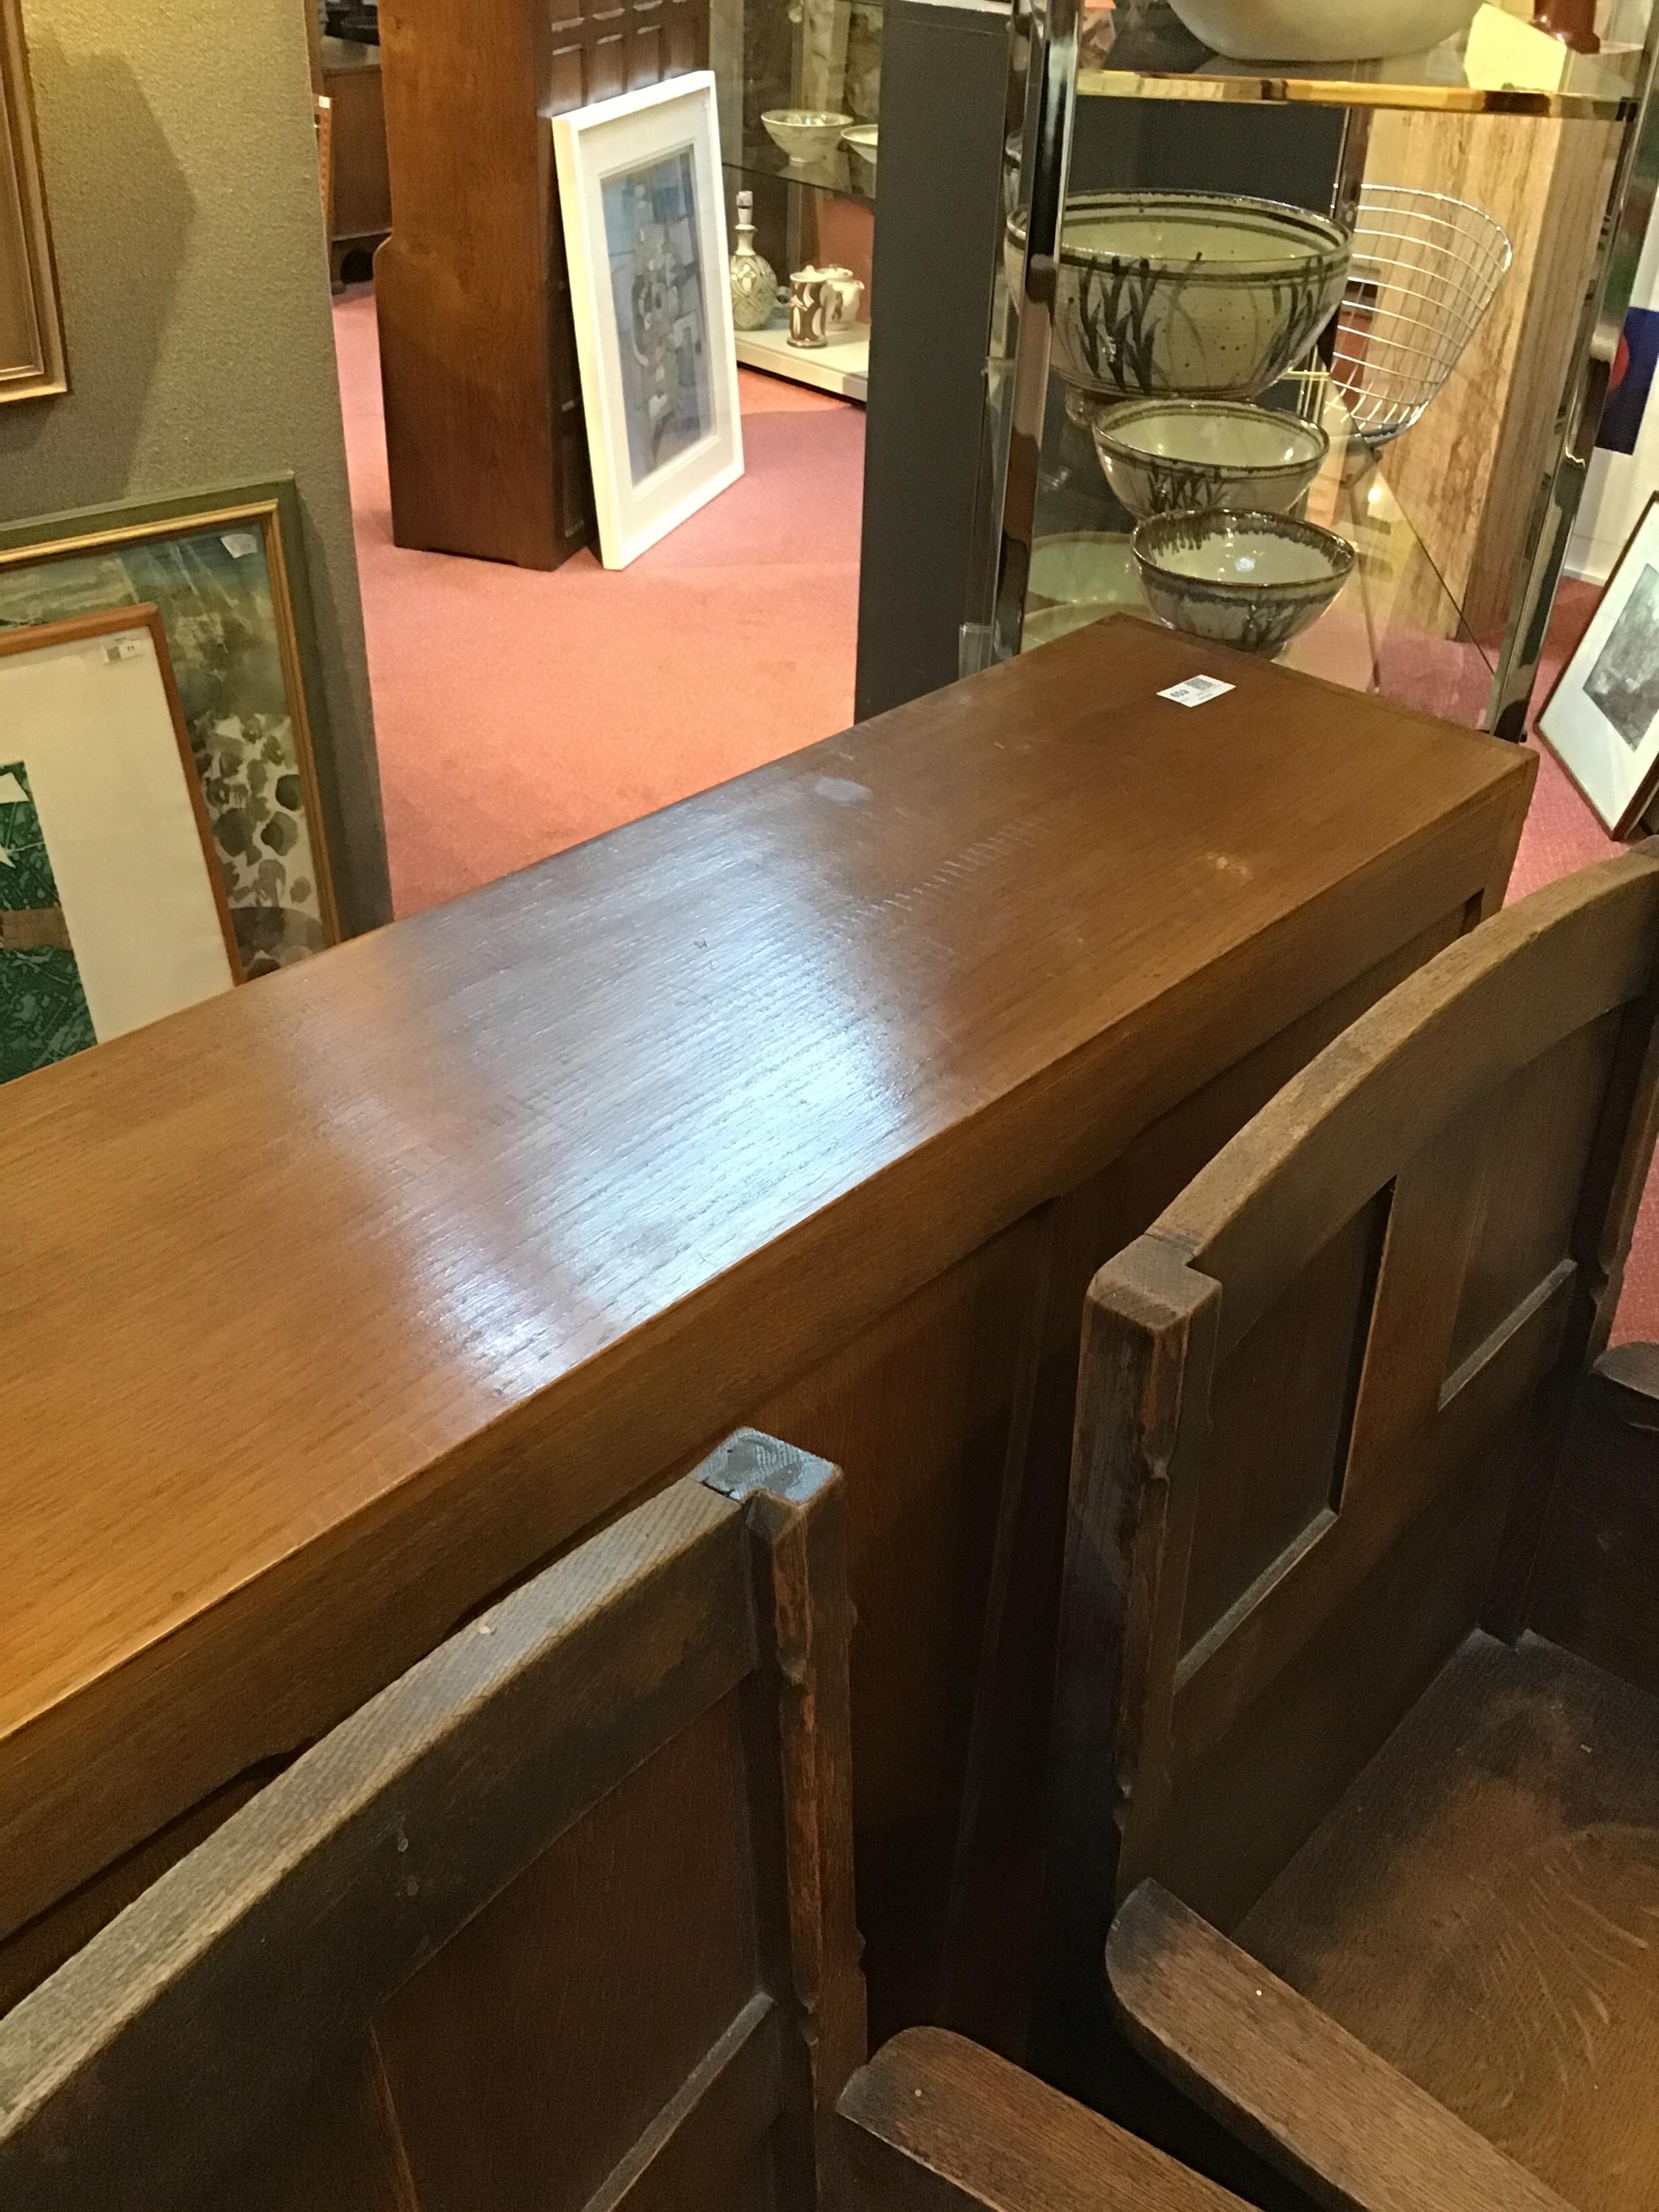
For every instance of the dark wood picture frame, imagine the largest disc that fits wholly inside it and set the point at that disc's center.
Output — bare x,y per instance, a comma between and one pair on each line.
1628,821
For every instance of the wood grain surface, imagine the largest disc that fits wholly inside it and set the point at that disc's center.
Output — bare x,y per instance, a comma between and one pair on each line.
1480,1909
939,2124
1357,2135
349,1298
563,1917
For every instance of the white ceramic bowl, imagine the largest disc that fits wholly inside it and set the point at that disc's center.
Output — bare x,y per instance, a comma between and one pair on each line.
1248,580
805,134
1323,30
862,140
1196,294
1176,456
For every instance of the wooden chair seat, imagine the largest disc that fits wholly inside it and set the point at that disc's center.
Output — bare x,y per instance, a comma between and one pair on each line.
1356,1764
1481,1909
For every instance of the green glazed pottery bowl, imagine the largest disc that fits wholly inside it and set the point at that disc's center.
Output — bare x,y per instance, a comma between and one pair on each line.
805,134
1176,456
1187,295
1247,580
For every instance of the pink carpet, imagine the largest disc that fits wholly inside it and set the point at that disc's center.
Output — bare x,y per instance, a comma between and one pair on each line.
518,712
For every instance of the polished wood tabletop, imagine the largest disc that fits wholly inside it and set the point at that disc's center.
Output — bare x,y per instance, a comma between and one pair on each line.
333,1302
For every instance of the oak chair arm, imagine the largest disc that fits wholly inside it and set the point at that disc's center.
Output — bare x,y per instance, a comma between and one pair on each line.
933,2124
1286,2079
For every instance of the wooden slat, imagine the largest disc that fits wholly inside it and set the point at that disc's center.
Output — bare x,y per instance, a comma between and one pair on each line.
302,1915
706,2136
1355,2134
940,2125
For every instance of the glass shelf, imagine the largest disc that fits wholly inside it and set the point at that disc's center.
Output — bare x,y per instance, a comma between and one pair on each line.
848,175
1396,630
1140,50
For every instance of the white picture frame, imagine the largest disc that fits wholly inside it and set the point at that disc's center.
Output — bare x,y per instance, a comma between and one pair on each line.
644,216
111,911
1601,721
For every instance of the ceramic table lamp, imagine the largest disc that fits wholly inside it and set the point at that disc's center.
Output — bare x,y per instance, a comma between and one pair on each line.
754,284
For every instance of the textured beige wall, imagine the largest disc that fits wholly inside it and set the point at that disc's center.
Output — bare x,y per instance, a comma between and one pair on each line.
176,138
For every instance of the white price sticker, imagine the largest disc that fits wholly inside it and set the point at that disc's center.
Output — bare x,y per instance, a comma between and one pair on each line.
124,648
239,544
1196,690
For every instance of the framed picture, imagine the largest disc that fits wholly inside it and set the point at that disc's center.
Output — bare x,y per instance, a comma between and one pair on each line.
1601,721
222,573
111,911
645,237
31,331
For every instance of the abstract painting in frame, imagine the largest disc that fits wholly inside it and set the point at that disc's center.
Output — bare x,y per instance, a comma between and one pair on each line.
223,575
112,910
644,216
32,365
1601,721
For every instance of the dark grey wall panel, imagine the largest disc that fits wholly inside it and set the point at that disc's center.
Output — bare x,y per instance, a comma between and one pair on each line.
943,94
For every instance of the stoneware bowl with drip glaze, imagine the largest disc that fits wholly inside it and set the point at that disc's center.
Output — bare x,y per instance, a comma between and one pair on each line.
1323,30
1248,580
805,134
1187,295
1178,456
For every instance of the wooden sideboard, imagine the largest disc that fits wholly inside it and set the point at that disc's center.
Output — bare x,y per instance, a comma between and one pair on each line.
485,441
341,1301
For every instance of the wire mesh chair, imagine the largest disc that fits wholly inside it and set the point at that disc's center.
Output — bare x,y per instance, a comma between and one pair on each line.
1424,272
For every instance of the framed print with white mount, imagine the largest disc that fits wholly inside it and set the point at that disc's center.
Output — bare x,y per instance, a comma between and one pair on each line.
1601,721
224,570
644,218
111,911
32,365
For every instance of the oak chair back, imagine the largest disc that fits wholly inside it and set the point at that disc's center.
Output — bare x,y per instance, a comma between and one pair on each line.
1322,1401
562,1919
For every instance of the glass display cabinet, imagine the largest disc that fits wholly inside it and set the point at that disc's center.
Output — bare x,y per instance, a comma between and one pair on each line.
1052,545
821,56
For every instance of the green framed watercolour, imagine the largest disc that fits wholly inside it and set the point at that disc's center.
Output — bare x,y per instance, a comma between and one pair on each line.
112,909
223,575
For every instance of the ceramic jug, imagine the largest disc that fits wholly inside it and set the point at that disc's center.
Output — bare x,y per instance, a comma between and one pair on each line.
754,283
845,294
811,294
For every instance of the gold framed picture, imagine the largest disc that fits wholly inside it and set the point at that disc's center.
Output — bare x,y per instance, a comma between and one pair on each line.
112,910
32,364
226,575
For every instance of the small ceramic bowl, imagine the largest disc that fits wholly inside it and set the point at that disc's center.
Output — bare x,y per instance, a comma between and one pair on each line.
862,140
805,134
1176,456
1249,580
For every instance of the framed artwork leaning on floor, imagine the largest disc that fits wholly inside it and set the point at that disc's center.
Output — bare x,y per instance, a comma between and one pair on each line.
31,331
224,572
645,237
111,911
1601,721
